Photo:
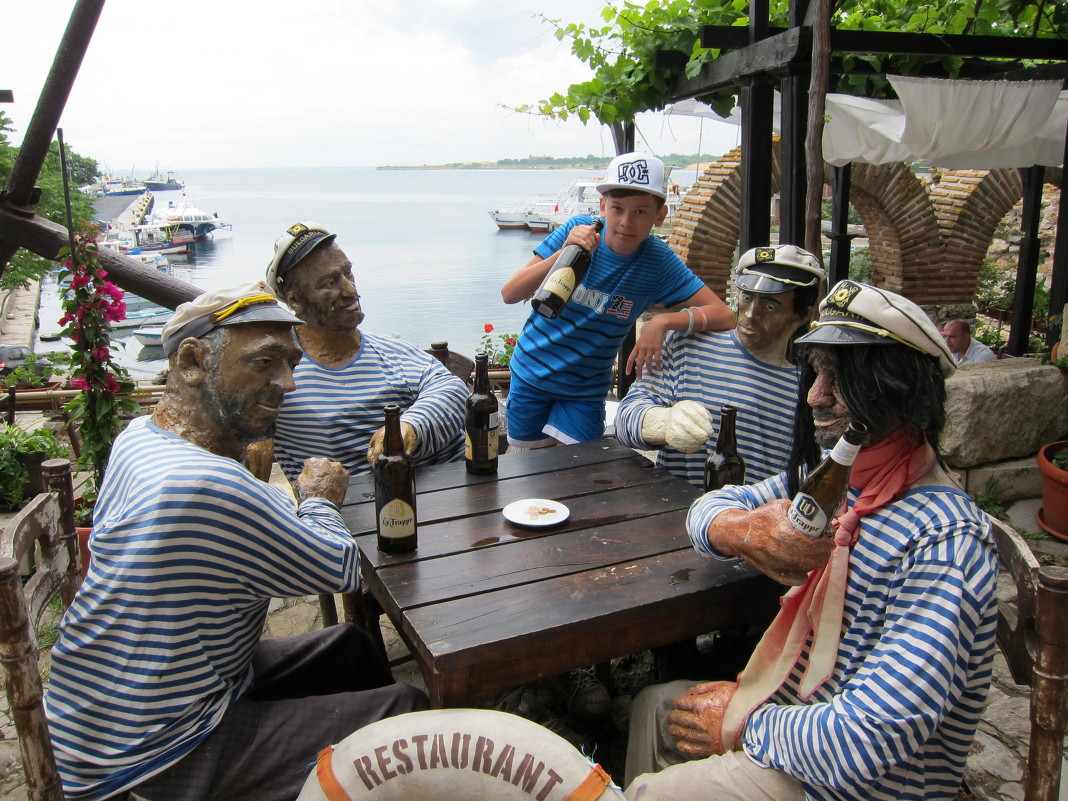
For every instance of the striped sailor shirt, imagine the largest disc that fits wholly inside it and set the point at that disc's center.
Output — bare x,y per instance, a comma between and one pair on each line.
334,411
897,717
188,549
571,356
713,369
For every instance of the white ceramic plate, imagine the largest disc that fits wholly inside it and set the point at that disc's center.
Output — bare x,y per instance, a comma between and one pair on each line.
535,512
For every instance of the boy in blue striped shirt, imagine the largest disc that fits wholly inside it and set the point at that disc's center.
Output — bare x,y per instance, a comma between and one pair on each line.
562,367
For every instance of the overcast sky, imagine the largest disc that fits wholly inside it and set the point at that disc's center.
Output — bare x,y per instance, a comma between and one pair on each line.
237,83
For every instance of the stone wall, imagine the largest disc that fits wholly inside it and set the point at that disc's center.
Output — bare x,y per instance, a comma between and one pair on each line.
1001,410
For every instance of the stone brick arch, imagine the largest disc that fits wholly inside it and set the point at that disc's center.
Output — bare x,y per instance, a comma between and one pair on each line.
926,240
707,224
902,229
970,204
904,244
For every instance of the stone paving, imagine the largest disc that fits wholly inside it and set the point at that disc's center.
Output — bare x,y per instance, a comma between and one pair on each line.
998,755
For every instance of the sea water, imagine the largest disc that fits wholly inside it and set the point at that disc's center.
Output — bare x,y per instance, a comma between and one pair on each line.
428,260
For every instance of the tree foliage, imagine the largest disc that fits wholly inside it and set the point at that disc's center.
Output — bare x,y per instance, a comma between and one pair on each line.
621,53
26,266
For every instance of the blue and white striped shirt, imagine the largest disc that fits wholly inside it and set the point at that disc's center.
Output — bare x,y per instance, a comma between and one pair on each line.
897,718
712,368
188,549
571,356
335,411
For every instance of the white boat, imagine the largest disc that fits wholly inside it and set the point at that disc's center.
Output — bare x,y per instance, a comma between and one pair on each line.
186,218
522,215
149,335
509,219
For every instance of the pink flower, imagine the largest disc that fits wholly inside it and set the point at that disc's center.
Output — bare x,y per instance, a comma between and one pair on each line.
101,354
112,383
113,312
79,383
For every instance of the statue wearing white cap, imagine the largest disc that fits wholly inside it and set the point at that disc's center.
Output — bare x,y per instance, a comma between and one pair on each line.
871,679
348,376
188,549
675,410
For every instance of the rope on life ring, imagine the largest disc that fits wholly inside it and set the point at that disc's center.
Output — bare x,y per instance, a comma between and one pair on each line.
454,755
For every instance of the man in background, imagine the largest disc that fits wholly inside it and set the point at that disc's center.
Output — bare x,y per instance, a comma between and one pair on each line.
966,350
676,409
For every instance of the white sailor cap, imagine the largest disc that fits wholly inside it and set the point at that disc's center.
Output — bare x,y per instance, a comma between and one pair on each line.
298,241
776,269
857,314
248,303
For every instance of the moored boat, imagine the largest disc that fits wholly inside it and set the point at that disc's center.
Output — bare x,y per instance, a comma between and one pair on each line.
184,217
149,335
162,182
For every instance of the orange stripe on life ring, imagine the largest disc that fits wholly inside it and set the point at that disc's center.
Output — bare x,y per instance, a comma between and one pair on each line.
324,772
590,788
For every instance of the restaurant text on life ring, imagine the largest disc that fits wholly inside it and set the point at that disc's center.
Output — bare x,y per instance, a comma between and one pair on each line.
453,755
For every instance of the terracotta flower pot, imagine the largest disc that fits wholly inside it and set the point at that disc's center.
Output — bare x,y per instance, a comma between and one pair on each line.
1053,516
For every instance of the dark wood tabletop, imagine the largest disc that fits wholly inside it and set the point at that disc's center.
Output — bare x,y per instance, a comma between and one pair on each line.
485,604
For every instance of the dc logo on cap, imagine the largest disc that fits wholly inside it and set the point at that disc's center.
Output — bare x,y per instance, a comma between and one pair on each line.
296,228
634,172
764,255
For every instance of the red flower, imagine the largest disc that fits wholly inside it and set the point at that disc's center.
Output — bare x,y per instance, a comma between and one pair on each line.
488,328
510,341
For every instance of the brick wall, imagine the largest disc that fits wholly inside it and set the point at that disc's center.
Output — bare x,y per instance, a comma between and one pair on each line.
927,239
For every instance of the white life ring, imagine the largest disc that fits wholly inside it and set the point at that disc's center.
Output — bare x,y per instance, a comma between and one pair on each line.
455,755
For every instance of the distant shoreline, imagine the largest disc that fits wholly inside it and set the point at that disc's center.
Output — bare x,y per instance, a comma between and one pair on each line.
484,166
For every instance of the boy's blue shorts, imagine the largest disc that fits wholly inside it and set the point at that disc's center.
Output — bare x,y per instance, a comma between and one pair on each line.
535,419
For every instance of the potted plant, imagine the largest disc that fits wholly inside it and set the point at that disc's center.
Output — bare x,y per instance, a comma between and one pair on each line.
21,454
499,349
34,372
1053,465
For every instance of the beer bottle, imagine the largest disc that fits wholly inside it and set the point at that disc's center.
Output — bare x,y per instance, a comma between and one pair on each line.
725,465
822,492
482,423
395,490
566,274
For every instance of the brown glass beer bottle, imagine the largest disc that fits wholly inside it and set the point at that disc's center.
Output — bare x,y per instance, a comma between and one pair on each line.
482,423
725,465
566,274
822,492
395,490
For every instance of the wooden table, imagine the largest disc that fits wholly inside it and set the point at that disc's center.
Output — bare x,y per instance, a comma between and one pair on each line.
485,604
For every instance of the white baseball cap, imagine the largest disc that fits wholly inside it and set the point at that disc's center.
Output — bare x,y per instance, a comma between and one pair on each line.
639,171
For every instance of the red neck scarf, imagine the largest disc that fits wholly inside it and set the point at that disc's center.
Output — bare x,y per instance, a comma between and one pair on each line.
881,473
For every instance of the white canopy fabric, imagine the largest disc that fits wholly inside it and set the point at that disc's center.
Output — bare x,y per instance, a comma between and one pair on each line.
953,124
